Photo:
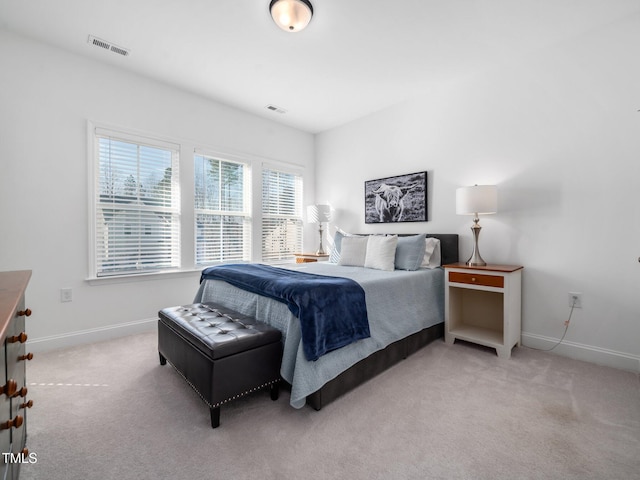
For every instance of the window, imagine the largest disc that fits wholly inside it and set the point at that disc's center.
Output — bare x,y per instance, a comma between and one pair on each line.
137,214
139,203
281,214
222,210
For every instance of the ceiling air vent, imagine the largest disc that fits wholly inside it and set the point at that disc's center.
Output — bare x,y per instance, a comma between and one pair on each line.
274,108
98,42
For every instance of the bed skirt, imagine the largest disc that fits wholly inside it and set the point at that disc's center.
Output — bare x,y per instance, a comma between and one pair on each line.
373,365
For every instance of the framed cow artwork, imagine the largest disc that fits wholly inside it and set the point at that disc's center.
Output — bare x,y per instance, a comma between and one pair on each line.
396,199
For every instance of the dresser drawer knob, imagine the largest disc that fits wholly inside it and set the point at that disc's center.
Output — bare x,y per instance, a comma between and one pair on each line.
13,423
21,393
9,388
28,356
18,338
473,279
25,313
28,404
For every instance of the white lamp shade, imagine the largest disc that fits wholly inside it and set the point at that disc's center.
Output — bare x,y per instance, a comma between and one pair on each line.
291,15
479,199
318,213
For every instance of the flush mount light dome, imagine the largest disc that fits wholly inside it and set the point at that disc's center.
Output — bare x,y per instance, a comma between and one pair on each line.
291,15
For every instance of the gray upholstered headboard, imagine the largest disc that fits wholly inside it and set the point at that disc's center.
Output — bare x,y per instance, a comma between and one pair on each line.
448,245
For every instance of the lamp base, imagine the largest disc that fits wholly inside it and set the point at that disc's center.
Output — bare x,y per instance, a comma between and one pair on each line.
320,250
476,259
475,263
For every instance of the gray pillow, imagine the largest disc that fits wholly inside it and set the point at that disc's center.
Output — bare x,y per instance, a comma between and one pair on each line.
334,256
410,252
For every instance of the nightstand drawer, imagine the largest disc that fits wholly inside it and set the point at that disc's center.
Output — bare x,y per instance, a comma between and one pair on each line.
305,260
476,279
311,257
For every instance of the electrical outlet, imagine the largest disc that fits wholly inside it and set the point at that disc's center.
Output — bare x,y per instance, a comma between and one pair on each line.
66,295
577,297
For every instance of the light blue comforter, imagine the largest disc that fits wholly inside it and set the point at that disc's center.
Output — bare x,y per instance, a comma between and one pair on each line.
399,303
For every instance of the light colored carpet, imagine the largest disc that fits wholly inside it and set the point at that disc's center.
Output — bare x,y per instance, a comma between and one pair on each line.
110,411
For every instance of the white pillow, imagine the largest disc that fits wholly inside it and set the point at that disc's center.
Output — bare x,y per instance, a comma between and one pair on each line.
432,253
381,252
353,251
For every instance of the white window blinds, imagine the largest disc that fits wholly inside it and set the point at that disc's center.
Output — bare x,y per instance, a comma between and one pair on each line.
281,214
222,210
137,214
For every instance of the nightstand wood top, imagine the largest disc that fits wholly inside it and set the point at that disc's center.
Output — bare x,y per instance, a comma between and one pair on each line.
488,267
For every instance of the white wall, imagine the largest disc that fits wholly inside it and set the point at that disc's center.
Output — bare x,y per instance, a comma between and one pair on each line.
557,131
47,97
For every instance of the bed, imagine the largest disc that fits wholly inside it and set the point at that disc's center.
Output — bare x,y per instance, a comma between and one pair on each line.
405,313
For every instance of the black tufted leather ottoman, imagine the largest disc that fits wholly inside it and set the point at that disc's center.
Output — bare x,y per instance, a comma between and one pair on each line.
222,354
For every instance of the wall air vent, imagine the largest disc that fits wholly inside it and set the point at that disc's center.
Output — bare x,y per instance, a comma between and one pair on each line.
274,108
98,42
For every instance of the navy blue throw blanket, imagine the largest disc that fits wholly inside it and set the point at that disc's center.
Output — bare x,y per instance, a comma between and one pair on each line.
332,310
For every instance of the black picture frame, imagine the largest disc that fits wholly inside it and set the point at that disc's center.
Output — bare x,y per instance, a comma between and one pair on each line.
398,199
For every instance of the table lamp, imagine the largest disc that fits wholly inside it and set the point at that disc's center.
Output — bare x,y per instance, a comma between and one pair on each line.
476,200
318,214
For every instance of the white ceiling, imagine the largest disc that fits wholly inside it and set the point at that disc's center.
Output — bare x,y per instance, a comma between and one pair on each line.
355,57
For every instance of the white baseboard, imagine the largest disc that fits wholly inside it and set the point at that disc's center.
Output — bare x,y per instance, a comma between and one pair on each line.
54,342
588,353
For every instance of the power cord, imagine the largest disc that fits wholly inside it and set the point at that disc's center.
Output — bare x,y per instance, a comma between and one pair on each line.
566,327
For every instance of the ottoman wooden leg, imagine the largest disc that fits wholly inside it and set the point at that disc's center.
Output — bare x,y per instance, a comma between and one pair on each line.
163,361
275,391
215,417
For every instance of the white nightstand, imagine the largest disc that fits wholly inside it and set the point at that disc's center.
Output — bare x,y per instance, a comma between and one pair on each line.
483,305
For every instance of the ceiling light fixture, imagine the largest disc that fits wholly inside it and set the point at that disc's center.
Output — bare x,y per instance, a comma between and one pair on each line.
291,15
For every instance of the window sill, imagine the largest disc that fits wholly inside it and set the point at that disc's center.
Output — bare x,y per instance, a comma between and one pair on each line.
142,277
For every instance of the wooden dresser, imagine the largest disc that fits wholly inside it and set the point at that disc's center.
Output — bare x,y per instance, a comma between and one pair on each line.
13,391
